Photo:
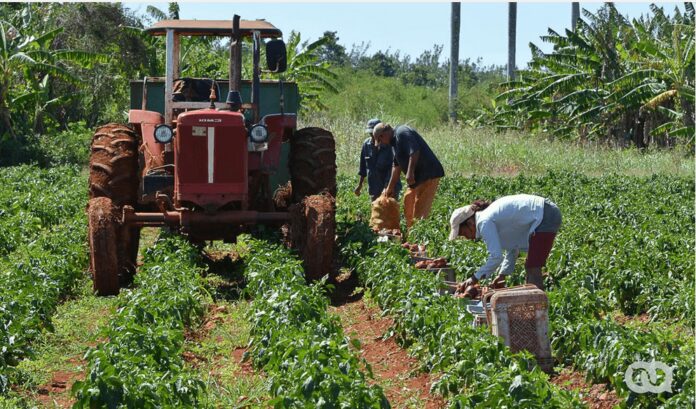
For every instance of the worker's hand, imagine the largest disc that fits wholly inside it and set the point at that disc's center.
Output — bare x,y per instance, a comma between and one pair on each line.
498,282
410,180
358,190
469,281
388,191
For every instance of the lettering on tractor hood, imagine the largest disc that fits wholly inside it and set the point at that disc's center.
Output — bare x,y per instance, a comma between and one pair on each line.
210,120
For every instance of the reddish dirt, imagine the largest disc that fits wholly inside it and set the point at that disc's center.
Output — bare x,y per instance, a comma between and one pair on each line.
596,396
103,243
214,316
282,197
640,319
394,370
56,393
312,232
245,367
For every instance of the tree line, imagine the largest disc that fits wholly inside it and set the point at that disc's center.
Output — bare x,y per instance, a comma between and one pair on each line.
630,82
65,68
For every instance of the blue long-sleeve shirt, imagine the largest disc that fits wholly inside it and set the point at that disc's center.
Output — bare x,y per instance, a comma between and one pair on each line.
376,164
505,226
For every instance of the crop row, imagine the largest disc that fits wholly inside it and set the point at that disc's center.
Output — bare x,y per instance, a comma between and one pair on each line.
39,275
42,254
33,200
477,368
141,364
301,347
625,247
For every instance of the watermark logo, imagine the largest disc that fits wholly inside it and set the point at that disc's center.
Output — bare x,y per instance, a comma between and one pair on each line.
648,377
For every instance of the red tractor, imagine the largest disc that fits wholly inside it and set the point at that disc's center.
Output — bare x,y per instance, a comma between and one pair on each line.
210,169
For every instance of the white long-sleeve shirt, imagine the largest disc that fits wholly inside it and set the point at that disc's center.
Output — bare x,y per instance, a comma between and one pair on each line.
505,226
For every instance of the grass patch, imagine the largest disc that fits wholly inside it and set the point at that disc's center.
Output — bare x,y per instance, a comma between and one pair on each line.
465,151
217,353
77,325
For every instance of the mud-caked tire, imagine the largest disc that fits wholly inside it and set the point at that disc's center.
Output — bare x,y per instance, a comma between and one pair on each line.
113,174
113,164
103,229
312,163
313,230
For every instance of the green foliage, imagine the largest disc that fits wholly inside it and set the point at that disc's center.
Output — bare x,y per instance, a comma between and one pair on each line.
42,255
626,245
141,363
298,344
29,66
477,368
313,76
374,96
610,79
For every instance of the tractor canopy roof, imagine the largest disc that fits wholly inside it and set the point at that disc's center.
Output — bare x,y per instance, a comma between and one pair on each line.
214,28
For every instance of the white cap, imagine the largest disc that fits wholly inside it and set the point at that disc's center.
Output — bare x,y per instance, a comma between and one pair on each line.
458,217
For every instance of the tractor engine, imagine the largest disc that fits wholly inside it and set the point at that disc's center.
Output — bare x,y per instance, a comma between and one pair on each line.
210,158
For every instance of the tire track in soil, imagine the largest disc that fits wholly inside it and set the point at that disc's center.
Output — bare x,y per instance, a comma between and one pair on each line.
595,396
394,370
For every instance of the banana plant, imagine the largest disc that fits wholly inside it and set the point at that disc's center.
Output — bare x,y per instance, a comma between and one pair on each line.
607,78
27,62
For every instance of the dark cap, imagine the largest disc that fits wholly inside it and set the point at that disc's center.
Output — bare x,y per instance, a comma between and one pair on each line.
371,125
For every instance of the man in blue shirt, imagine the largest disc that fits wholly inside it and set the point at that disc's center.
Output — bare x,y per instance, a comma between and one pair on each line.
375,163
422,168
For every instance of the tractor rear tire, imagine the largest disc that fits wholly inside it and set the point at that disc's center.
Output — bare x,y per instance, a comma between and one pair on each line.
313,230
103,245
113,174
312,163
113,164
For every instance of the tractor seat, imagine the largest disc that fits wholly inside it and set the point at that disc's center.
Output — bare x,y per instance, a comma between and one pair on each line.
193,89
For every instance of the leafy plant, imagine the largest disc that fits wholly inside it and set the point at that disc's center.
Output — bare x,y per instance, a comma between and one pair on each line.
297,343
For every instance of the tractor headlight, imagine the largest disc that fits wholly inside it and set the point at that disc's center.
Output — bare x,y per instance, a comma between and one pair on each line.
163,133
258,134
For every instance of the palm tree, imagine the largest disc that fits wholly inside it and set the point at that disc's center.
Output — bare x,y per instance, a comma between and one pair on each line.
454,60
575,14
512,39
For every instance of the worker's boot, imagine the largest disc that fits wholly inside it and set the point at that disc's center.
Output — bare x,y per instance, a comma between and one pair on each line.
534,277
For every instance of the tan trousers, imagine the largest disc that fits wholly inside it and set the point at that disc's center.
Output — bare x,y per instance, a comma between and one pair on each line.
419,200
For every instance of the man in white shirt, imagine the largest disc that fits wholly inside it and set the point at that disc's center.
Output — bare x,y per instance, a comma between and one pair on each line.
509,225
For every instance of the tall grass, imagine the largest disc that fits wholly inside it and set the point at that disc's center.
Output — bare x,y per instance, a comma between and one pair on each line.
465,151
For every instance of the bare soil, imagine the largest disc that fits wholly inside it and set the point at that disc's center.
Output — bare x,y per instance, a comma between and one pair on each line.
56,393
397,372
596,396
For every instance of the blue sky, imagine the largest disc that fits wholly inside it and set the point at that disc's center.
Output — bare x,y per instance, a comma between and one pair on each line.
409,27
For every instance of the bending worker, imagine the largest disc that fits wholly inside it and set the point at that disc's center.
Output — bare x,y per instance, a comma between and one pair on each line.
509,225
422,168
375,163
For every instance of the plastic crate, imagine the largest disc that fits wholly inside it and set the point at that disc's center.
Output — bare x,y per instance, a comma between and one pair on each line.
477,309
519,315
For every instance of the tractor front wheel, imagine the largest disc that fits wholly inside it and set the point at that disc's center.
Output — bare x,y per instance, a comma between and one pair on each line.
103,245
113,174
313,230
